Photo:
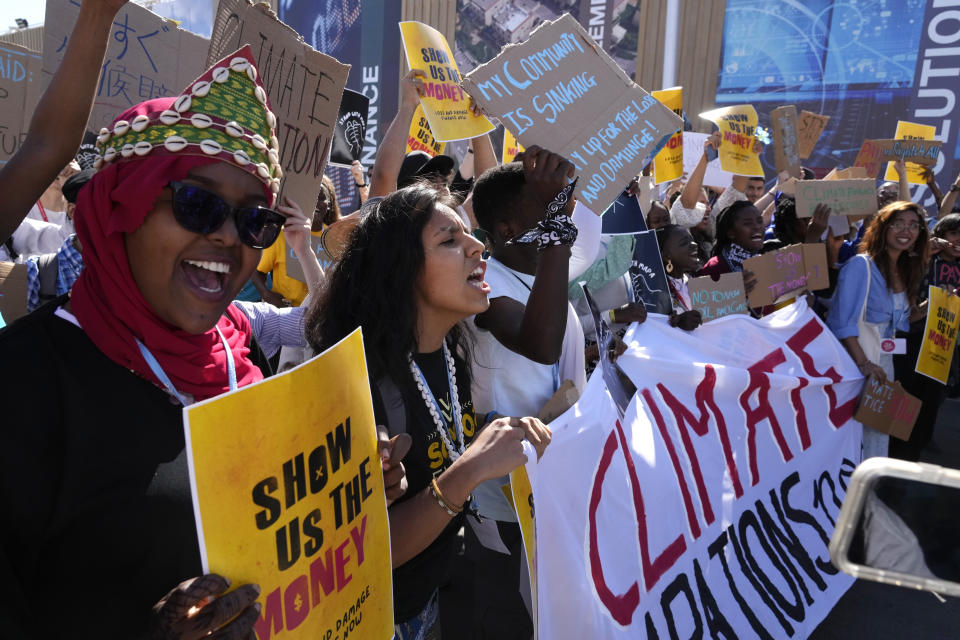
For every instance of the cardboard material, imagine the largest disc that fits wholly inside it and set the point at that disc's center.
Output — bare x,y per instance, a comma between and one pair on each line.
147,57
446,104
809,127
511,148
564,398
887,408
668,164
715,176
561,91
787,272
648,275
910,131
351,129
20,85
421,137
850,173
304,87
844,197
13,291
939,335
286,486
874,153
739,148
715,299
786,149
623,217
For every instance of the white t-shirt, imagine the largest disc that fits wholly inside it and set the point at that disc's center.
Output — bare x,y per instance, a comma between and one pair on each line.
511,384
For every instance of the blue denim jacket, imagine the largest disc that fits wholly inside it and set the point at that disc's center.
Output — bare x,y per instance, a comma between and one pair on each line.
848,300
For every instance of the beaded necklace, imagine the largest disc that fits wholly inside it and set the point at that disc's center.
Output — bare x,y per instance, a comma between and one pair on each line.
434,407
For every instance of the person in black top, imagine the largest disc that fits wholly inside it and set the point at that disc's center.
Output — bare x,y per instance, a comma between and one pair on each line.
409,276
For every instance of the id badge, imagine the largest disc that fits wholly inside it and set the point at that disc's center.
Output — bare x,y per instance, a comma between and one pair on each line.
894,346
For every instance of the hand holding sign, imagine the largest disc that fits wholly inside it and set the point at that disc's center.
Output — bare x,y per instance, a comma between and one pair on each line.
196,608
392,452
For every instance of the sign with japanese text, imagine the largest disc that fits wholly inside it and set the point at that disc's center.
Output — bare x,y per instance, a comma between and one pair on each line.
445,103
304,87
147,57
668,164
739,147
561,91
20,89
288,494
939,335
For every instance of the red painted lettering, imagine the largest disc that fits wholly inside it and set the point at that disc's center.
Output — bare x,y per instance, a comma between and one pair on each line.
760,382
839,415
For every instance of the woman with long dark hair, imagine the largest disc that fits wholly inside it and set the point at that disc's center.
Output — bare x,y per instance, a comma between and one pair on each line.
409,276
876,295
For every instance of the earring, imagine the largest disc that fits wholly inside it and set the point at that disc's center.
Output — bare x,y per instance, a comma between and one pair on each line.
669,266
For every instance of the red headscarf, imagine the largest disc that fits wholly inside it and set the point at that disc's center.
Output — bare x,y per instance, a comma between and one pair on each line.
106,300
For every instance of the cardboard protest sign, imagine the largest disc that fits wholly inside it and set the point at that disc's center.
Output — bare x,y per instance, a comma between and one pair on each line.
887,408
511,148
446,104
147,57
939,335
668,164
321,554
648,275
910,131
20,89
623,217
715,176
739,147
844,197
13,291
850,173
561,91
351,129
784,273
715,299
304,87
809,127
874,153
421,137
786,150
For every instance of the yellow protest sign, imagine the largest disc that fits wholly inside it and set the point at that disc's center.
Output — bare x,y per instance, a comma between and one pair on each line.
939,335
910,131
421,137
288,494
446,104
511,148
668,164
522,499
739,148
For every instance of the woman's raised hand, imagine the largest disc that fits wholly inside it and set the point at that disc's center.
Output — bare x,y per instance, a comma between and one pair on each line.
296,228
196,609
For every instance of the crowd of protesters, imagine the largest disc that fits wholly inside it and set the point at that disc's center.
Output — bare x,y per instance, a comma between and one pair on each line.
159,279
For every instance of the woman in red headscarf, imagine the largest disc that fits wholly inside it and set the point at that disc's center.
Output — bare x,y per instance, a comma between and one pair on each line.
98,521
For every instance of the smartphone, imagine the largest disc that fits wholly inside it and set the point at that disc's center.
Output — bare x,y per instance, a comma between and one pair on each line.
900,525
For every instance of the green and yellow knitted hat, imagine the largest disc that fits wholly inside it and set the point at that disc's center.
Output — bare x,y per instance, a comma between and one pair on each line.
225,113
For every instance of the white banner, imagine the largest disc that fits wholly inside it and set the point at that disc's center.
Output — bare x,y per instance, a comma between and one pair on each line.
706,511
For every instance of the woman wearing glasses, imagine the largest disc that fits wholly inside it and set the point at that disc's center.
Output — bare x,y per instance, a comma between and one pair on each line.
876,296
97,522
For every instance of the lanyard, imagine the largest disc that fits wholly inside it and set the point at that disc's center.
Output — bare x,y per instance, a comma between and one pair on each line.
43,212
165,380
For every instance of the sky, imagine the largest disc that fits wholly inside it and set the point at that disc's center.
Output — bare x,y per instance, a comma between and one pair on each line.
196,15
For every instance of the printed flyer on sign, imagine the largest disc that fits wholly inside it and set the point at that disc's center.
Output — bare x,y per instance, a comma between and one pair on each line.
668,164
288,494
939,335
421,137
739,149
446,104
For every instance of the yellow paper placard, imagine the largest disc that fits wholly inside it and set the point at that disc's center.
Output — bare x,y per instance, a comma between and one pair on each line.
522,498
288,494
446,104
511,148
910,131
420,137
939,335
668,164
739,149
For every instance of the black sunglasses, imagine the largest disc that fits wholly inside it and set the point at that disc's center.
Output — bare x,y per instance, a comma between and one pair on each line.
202,211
